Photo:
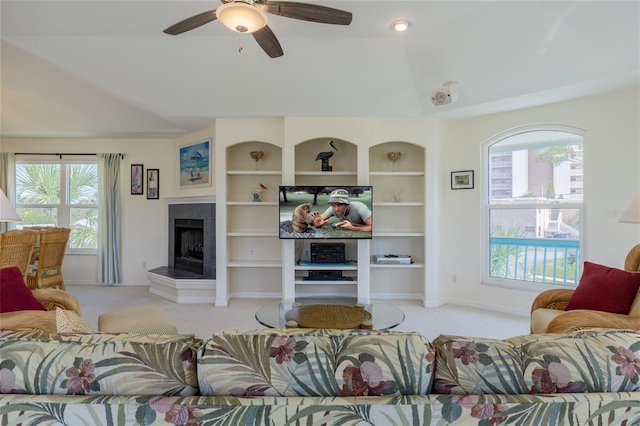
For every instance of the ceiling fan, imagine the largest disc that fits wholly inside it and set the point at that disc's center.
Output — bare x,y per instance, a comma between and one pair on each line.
250,16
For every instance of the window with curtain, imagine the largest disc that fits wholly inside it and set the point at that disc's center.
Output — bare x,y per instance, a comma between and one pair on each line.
60,193
533,207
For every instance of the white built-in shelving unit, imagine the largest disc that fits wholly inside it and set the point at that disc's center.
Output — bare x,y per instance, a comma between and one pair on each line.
257,263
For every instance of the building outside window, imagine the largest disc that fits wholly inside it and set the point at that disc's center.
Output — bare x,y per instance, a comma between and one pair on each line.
63,194
533,207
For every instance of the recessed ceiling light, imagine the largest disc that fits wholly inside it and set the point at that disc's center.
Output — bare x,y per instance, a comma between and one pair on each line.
400,25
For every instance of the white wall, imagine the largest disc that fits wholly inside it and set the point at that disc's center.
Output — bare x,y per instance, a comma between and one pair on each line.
611,176
144,222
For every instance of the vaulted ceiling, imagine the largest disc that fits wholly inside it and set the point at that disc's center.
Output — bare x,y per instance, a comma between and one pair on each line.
105,68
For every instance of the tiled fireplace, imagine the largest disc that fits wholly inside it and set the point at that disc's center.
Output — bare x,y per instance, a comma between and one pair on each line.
192,238
189,276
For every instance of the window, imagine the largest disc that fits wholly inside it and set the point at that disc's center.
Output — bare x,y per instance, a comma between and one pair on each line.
63,193
533,207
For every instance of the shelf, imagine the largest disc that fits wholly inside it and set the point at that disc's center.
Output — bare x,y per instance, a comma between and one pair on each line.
252,203
254,172
396,173
319,267
397,204
325,282
398,234
254,264
334,173
252,234
415,265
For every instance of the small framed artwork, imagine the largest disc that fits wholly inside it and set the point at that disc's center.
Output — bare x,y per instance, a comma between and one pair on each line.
462,179
137,182
153,184
194,165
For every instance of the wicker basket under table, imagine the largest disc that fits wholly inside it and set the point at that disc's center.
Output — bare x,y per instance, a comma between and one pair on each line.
339,317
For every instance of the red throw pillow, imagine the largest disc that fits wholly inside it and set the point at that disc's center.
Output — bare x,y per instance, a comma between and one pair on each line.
14,293
606,289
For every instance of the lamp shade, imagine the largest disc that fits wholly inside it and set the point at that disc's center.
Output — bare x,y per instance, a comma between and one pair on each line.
632,213
7,213
241,17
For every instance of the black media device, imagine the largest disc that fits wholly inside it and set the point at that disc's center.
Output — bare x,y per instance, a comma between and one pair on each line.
324,275
328,253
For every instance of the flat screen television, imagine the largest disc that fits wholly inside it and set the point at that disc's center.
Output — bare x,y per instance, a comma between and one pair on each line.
300,205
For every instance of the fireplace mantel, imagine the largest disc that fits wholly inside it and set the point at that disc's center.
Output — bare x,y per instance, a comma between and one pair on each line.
203,199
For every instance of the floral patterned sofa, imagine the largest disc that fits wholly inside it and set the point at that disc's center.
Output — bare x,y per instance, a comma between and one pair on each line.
304,376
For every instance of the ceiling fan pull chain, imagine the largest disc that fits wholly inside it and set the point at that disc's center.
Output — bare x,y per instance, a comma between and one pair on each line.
240,46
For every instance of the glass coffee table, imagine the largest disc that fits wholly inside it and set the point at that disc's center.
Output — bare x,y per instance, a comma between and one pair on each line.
383,315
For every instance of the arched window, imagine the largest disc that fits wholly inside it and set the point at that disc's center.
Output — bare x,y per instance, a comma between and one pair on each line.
533,207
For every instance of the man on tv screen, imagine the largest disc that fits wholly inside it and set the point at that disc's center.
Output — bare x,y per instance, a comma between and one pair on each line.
353,215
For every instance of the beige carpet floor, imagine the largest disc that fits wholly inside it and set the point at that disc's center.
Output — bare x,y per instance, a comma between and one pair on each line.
205,319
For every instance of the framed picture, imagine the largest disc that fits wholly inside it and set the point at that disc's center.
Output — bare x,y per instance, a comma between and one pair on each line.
462,179
137,182
194,165
153,184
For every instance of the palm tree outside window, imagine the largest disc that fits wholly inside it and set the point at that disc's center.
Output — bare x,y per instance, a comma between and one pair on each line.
63,193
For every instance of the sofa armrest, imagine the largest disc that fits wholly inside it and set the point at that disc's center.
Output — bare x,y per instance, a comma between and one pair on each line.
53,298
29,320
588,320
552,299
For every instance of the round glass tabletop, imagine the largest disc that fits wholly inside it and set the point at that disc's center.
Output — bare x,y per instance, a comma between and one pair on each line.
383,315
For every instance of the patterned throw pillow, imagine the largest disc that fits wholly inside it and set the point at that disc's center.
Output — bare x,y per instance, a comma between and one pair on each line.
315,362
468,365
98,363
69,322
583,362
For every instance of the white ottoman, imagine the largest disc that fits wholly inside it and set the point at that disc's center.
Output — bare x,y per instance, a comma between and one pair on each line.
149,319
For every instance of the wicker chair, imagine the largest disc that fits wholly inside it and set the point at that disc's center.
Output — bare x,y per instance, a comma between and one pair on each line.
15,249
53,243
42,320
553,303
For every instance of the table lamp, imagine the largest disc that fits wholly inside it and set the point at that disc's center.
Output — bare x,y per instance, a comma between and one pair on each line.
7,212
632,215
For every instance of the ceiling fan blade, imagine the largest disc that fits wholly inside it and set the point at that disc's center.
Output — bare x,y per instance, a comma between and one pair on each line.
191,23
309,12
268,41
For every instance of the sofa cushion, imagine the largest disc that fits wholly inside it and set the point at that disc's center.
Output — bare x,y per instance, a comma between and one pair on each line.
606,289
469,365
14,293
312,362
585,361
37,362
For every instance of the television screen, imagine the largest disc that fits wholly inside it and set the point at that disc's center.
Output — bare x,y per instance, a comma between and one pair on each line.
329,212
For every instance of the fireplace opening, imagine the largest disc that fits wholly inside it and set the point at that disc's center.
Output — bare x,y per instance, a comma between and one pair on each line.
189,250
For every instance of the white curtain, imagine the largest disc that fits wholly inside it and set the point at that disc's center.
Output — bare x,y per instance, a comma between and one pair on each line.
7,183
108,218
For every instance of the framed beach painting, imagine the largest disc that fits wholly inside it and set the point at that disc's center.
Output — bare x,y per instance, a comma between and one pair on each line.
194,165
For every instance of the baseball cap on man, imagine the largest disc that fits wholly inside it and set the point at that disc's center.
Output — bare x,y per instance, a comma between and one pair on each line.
339,196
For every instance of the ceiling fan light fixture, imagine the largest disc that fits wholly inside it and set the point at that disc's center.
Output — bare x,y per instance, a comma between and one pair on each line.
241,17
401,25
